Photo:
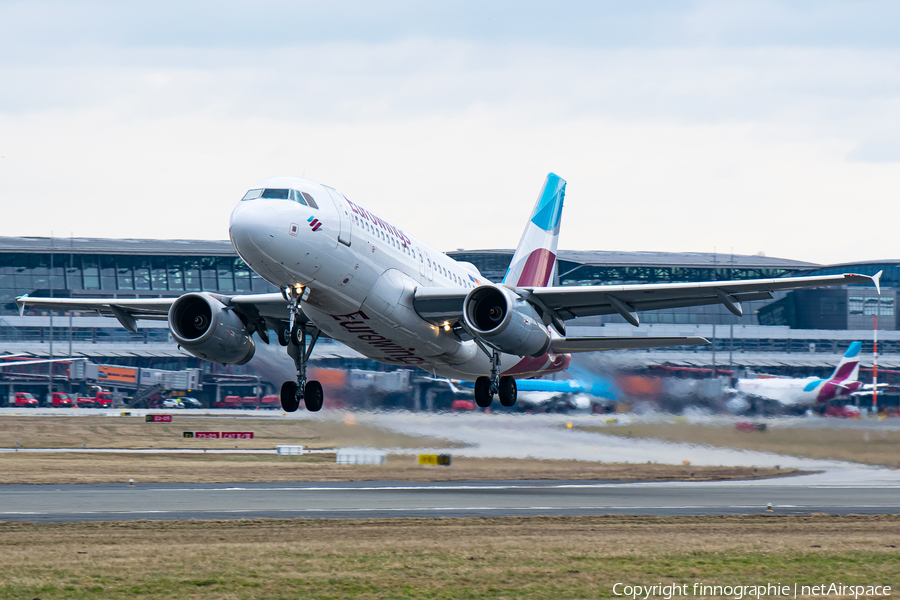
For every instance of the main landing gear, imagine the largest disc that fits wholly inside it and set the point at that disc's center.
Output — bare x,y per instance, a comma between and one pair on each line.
310,392
504,387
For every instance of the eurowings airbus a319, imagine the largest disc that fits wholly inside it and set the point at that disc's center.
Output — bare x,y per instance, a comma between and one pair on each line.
794,393
350,274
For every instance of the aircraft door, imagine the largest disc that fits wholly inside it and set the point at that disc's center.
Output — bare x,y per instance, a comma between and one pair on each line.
421,262
429,267
344,217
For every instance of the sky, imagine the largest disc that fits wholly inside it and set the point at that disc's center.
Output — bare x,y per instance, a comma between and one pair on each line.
721,126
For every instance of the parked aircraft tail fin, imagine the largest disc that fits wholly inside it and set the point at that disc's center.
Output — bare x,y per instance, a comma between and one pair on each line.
532,264
848,368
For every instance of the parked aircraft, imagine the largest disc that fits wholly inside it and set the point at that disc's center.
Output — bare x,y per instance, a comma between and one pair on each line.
807,392
347,273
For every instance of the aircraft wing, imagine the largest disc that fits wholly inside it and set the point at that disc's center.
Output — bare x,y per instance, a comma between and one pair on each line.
272,307
440,305
627,300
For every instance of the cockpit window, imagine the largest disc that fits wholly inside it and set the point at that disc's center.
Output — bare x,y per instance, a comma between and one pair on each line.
298,197
252,194
276,194
309,200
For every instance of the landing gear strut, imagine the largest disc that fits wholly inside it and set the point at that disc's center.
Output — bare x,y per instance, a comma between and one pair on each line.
308,391
486,387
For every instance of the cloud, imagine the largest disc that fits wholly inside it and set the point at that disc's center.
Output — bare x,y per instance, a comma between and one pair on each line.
882,149
705,126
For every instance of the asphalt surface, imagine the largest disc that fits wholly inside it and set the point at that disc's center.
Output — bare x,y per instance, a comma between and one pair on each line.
874,491
841,488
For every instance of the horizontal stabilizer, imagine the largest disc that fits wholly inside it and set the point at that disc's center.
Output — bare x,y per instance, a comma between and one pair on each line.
597,344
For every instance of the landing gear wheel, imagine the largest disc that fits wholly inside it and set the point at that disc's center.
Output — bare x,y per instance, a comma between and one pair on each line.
508,391
314,396
289,400
297,335
283,334
483,395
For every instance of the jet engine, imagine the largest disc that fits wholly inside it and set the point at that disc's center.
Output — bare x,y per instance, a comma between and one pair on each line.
503,320
210,330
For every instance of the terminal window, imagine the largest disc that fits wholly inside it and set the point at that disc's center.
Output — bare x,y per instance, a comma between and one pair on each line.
870,305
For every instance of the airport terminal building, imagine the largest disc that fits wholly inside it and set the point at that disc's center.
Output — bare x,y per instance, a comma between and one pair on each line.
791,332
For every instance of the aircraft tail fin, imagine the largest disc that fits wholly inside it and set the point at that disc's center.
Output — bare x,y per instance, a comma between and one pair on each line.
848,368
532,264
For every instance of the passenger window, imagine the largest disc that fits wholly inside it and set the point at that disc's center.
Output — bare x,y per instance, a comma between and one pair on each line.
309,200
277,194
252,194
297,197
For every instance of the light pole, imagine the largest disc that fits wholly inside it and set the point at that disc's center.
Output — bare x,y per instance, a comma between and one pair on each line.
875,364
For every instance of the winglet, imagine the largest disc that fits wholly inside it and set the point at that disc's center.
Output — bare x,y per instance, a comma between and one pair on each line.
20,302
876,279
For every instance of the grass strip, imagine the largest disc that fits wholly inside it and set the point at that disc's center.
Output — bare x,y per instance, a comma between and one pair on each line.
868,446
536,557
65,468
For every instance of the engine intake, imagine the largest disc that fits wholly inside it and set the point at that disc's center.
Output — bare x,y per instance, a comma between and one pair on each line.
210,330
503,320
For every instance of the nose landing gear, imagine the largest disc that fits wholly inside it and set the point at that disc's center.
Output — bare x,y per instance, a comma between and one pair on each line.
308,391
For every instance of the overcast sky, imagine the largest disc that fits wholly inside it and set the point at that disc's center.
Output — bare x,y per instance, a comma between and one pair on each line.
679,126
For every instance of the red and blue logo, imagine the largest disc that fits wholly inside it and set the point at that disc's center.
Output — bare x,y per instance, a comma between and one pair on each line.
314,223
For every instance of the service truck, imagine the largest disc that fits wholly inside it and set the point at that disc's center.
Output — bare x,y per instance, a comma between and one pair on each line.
61,400
23,400
100,400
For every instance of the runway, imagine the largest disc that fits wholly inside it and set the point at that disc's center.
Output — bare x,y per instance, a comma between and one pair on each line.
875,492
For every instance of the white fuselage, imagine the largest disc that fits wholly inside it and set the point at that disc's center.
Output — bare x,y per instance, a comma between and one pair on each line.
788,392
361,273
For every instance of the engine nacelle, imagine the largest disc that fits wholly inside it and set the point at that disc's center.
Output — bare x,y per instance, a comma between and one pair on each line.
210,330
503,320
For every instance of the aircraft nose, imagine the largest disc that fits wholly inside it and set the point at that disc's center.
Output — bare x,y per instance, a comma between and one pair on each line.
252,226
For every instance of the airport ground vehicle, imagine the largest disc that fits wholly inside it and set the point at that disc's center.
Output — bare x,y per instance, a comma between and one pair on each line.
462,405
99,400
23,400
190,402
229,402
61,400
158,401
270,402
847,411
250,402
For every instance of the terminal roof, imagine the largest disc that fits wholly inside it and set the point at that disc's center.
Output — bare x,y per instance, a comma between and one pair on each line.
614,258
81,245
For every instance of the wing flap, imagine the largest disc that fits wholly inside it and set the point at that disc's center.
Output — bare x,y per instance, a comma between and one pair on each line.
597,344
